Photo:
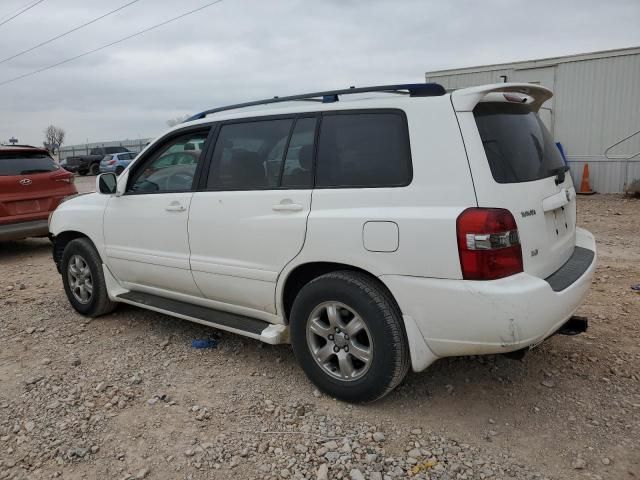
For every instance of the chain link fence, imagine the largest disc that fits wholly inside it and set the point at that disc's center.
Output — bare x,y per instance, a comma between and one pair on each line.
84,149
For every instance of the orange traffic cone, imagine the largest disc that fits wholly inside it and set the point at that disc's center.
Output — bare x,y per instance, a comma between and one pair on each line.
585,188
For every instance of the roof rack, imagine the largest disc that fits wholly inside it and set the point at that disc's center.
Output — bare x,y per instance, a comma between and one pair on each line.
330,96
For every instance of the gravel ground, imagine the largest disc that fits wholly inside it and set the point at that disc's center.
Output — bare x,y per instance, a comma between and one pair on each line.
125,395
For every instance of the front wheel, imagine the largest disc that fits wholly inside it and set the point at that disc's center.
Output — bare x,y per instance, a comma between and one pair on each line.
348,336
94,169
83,279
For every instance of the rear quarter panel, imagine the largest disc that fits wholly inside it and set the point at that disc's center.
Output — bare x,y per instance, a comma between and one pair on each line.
425,210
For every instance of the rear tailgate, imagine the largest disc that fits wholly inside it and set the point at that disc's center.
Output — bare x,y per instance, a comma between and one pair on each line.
516,165
31,186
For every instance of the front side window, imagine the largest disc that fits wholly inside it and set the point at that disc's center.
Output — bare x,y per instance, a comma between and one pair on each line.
172,168
363,150
248,155
25,163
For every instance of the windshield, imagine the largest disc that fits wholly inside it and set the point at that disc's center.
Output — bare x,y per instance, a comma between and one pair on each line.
518,146
16,163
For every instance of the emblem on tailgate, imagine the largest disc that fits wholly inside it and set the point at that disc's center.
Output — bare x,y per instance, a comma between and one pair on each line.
528,213
25,181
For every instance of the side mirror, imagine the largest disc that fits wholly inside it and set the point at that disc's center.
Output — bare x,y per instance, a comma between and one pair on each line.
107,183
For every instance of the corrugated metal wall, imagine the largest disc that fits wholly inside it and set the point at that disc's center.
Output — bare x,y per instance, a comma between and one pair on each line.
596,103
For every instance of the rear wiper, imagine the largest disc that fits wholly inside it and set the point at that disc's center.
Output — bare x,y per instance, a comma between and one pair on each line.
559,173
34,170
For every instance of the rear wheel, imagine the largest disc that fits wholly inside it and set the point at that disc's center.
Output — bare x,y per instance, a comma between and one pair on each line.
83,279
119,170
347,334
94,169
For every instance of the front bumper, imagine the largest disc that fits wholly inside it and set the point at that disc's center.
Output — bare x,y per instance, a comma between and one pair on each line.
17,231
461,317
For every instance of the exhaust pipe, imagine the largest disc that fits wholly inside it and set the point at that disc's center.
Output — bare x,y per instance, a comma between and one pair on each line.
574,326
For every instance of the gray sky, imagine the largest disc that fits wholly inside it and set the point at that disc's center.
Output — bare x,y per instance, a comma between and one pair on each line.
242,50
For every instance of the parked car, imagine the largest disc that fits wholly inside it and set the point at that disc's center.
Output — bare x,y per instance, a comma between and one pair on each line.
116,162
374,232
31,187
90,164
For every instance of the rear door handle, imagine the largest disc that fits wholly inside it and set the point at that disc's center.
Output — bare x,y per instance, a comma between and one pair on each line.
175,207
287,206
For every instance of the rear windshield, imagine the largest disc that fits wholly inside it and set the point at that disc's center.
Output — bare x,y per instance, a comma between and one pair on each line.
518,146
25,163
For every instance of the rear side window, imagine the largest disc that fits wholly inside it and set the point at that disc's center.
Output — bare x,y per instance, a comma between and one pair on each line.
363,150
27,163
518,146
297,170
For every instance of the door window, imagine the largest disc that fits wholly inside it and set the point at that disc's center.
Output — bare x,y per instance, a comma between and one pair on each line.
249,155
298,164
363,150
172,168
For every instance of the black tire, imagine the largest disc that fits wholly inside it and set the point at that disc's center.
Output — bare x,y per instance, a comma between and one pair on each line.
98,303
82,172
119,170
363,295
94,169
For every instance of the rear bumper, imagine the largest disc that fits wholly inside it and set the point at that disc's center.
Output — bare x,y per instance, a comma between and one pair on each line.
107,168
460,317
16,231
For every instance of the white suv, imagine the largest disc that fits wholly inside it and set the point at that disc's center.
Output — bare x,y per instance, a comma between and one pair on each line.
373,228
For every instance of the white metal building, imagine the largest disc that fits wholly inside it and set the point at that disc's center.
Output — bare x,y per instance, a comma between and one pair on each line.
596,104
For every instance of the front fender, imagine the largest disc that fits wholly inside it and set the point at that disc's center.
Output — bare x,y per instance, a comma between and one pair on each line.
83,214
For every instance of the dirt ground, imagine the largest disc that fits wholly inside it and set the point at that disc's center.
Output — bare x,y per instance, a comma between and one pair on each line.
125,395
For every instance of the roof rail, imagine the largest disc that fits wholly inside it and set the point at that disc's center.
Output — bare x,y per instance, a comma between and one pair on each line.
330,96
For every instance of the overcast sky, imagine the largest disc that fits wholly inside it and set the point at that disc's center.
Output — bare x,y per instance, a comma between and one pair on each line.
240,50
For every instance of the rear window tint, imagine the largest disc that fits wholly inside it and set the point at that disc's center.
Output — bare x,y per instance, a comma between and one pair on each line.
518,146
363,150
25,163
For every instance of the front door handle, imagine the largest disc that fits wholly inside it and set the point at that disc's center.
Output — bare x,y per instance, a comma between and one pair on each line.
287,206
175,207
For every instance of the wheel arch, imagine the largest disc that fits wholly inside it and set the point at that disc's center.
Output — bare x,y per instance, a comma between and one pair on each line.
61,240
302,274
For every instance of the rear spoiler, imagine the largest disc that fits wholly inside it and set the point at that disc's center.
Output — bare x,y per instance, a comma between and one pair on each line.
465,99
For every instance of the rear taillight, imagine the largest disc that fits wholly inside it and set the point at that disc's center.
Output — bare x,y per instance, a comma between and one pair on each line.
488,244
69,179
111,162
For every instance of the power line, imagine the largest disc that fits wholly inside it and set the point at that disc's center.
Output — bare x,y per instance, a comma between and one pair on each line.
109,44
67,32
5,15
21,12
